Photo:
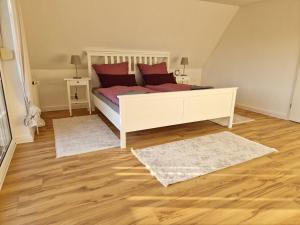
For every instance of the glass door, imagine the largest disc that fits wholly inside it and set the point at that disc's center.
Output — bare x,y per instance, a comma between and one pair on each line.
5,131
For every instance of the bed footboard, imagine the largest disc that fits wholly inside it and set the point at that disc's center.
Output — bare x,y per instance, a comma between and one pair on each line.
141,112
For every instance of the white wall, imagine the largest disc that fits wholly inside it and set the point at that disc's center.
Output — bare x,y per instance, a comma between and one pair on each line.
259,53
57,29
13,86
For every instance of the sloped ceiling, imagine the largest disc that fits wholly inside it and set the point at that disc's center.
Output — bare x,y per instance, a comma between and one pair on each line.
57,29
235,2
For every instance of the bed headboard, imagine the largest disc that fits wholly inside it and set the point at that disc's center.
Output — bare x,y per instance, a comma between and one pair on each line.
106,56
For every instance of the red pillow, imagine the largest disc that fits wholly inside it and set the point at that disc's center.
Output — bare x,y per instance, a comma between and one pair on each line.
108,80
112,69
157,79
160,68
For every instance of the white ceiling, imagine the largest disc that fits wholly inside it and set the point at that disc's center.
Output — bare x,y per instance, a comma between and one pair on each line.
235,2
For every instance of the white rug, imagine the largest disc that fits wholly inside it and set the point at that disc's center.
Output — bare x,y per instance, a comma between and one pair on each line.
76,135
183,160
237,119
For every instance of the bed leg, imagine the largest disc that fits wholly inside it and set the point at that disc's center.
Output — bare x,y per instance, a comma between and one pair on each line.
230,121
123,139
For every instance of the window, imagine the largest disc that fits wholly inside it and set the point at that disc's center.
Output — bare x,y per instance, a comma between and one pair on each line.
5,131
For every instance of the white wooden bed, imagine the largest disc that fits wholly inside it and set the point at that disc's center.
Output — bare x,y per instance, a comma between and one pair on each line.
146,111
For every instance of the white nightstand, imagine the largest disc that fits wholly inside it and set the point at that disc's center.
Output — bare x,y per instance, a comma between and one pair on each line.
183,79
79,82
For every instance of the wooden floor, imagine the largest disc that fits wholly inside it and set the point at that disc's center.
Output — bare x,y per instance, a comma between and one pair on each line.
111,187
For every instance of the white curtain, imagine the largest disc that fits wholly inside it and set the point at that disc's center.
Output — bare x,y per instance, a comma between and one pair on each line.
32,118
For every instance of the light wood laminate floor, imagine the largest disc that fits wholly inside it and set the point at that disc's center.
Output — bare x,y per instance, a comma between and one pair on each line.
111,187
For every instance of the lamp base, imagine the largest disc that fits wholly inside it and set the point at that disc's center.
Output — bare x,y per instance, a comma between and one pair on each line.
76,77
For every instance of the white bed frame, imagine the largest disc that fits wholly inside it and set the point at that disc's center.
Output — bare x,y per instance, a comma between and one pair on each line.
146,111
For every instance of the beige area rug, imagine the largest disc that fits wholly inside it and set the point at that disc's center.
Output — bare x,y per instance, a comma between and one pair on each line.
183,160
237,119
77,135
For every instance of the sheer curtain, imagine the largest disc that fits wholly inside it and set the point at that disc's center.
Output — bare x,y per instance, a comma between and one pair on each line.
32,118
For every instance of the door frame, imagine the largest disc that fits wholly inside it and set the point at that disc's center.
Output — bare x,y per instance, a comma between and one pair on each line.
292,101
11,149
6,162
295,82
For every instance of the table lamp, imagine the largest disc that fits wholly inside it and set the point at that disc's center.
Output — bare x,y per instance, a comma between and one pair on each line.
75,60
184,62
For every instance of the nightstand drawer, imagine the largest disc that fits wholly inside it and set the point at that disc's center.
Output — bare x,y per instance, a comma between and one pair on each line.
78,82
183,79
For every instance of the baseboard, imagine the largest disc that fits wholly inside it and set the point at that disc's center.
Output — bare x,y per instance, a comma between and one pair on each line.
21,139
6,162
283,116
62,107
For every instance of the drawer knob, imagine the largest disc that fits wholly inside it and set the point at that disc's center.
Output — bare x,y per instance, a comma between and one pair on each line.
77,82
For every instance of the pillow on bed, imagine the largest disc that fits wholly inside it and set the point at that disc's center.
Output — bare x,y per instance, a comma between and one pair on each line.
112,69
108,80
160,68
157,79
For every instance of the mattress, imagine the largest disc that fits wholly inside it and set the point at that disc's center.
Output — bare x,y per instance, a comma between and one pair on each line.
161,88
112,105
